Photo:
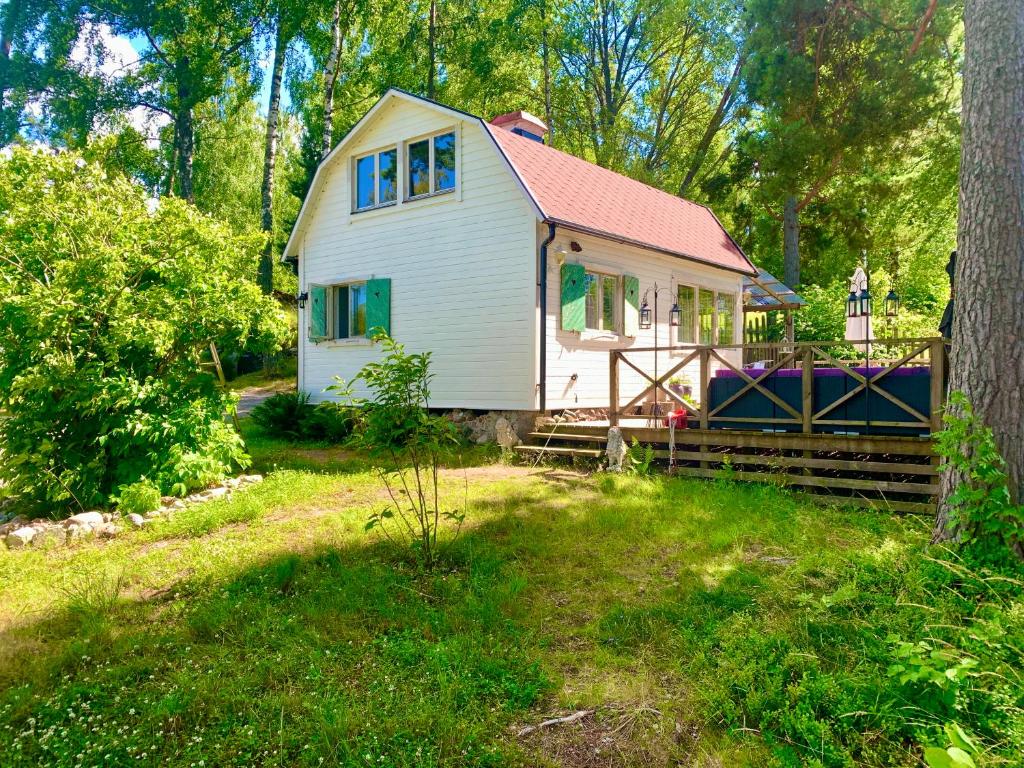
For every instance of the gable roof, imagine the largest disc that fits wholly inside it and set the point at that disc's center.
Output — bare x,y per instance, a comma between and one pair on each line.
588,198
573,193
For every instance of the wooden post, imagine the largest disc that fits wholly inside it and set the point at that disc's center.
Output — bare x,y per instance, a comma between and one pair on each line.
613,388
705,381
937,356
807,381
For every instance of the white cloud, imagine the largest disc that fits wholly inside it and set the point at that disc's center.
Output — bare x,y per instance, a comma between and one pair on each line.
101,52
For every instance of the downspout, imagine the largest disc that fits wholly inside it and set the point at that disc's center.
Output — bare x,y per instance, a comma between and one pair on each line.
542,285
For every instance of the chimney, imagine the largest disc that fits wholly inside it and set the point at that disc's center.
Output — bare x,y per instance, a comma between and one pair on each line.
522,123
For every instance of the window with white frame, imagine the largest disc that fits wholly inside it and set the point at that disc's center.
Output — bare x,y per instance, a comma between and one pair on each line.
706,316
376,179
348,311
431,165
602,302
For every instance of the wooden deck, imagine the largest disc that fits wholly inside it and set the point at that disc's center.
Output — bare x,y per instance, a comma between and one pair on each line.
884,463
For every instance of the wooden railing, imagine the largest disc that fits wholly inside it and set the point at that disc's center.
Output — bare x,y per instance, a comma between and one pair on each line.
863,372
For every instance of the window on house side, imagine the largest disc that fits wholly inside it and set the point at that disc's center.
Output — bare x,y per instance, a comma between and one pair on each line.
726,310
349,310
432,165
706,325
602,300
687,298
376,179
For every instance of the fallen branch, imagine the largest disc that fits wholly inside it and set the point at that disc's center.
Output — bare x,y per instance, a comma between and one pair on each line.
574,717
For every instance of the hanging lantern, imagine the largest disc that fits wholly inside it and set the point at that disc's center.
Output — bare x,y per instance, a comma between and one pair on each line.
892,304
852,305
865,302
301,299
675,316
645,316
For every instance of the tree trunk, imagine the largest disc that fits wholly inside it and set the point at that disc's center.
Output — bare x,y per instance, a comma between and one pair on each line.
266,273
10,23
331,78
184,147
791,242
988,324
432,45
545,55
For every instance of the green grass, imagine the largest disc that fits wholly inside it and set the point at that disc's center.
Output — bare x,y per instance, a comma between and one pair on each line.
283,372
708,624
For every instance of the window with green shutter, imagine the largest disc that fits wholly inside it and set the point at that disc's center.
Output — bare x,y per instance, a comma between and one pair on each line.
631,305
349,310
574,297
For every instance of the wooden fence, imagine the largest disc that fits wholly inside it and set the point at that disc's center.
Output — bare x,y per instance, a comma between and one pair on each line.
865,374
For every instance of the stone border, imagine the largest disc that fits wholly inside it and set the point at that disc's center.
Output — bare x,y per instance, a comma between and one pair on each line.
19,533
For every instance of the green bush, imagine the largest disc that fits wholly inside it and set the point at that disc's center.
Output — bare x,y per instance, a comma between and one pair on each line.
291,416
107,313
138,498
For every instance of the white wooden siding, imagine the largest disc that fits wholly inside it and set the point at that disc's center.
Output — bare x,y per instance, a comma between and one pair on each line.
462,268
586,354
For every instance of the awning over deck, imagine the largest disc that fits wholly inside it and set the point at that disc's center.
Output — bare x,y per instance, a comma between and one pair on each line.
765,293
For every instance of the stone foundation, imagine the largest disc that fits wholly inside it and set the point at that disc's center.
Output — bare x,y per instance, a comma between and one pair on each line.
509,428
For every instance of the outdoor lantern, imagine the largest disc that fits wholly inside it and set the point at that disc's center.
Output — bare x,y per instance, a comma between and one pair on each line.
645,316
865,302
675,315
301,298
852,305
892,304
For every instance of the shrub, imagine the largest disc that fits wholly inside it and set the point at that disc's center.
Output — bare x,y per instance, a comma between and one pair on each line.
290,415
107,315
138,498
398,428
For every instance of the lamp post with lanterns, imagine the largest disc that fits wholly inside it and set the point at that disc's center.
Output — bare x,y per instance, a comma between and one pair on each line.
675,317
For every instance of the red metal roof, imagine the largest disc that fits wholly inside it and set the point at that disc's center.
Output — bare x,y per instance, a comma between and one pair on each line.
588,198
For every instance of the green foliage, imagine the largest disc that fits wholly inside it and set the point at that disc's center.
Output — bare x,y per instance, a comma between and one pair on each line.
290,415
981,511
639,458
138,498
108,313
396,426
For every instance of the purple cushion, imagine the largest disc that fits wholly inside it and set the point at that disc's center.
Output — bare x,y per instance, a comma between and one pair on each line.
756,373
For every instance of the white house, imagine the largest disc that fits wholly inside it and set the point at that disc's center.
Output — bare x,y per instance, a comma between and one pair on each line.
517,265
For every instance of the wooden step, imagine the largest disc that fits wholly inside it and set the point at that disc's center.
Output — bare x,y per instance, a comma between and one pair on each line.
568,436
590,453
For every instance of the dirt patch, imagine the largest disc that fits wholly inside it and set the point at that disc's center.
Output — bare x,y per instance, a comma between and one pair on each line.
493,472
613,737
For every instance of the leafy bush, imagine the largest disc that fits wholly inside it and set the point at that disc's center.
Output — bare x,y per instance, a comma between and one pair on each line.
290,415
398,428
138,498
108,311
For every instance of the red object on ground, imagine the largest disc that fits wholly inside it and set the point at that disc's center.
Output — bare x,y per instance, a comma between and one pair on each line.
678,419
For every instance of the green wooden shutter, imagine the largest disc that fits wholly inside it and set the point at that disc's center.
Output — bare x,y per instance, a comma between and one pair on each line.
574,297
631,305
378,306
317,312
341,312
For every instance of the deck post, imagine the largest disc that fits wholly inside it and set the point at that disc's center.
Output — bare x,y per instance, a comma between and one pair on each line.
613,388
807,385
705,385
937,357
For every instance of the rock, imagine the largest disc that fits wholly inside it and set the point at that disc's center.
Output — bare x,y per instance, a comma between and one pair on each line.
13,524
251,478
107,530
136,521
152,514
21,537
49,536
75,532
107,517
85,519
216,493
506,434
616,449
167,500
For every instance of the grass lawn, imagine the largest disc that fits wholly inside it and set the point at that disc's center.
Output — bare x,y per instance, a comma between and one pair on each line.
269,629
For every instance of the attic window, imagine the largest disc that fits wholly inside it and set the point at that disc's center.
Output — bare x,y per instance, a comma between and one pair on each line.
376,179
432,165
